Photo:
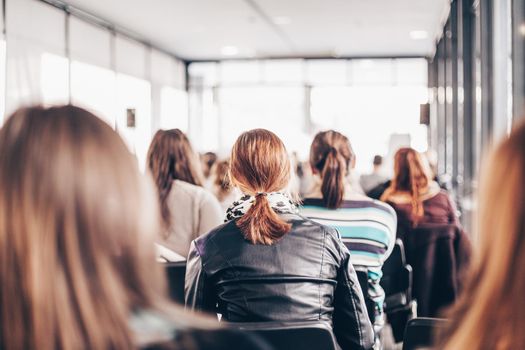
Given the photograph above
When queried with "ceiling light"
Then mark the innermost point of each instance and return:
(282, 20)
(229, 50)
(418, 34)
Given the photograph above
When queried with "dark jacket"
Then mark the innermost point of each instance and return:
(305, 276)
(438, 209)
(439, 255)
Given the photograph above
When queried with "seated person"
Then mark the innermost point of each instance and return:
(77, 226)
(375, 178)
(417, 199)
(367, 226)
(187, 209)
(490, 311)
(267, 263)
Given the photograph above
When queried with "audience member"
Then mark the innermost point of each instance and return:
(208, 160)
(221, 185)
(77, 225)
(187, 209)
(367, 226)
(415, 197)
(490, 311)
(374, 179)
(267, 263)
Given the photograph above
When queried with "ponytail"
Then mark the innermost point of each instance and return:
(333, 179)
(410, 176)
(259, 164)
(261, 225)
(414, 172)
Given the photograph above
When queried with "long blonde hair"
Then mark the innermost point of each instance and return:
(411, 176)
(77, 224)
(259, 164)
(490, 314)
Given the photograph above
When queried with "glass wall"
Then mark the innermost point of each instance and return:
(55, 58)
(375, 102)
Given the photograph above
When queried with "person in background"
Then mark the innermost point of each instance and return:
(187, 209)
(374, 179)
(267, 263)
(415, 197)
(221, 185)
(208, 160)
(77, 226)
(368, 227)
(490, 311)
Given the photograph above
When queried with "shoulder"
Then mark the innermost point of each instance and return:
(197, 192)
(213, 238)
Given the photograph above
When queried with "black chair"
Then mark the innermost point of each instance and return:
(397, 284)
(292, 335)
(176, 273)
(419, 333)
(362, 276)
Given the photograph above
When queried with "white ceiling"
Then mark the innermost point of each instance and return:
(199, 29)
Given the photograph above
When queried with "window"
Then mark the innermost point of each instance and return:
(173, 109)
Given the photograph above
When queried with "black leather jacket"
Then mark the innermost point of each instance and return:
(305, 276)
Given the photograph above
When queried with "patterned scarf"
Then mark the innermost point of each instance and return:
(279, 202)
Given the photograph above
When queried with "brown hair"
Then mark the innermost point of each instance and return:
(410, 176)
(259, 164)
(77, 225)
(331, 155)
(490, 313)
(222, 180)
(171, 157)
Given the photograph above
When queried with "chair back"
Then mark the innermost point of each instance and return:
(397, 279)
(420, 332)
(438, 255)
(292, 335)
(175, 274)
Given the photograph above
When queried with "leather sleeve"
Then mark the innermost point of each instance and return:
(352, 326)
(198, 292)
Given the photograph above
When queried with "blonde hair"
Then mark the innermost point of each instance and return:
(77, 224)
(490, 313)
(259, 164)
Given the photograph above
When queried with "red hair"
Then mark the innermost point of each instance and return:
(259, 164)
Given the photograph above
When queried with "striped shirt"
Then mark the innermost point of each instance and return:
(368, 229)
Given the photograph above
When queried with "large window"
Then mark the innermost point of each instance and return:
(375, 102)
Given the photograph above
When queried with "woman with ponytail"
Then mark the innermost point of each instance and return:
(417, 199)
(266, 262)
(367, 226)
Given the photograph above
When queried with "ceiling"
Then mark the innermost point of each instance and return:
(218, 29)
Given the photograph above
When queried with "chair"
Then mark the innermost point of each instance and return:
(438, 255)
(176, 273)
(292, 335)
(420, 332)
(362, 276)
(397, 284)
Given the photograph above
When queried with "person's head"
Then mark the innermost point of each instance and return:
(222, 180)
(377, 162)
(77, 225)
(490, 313)
(208, 159)
(411, 175)
(171, 157)
(331, 157)
(259, 165)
